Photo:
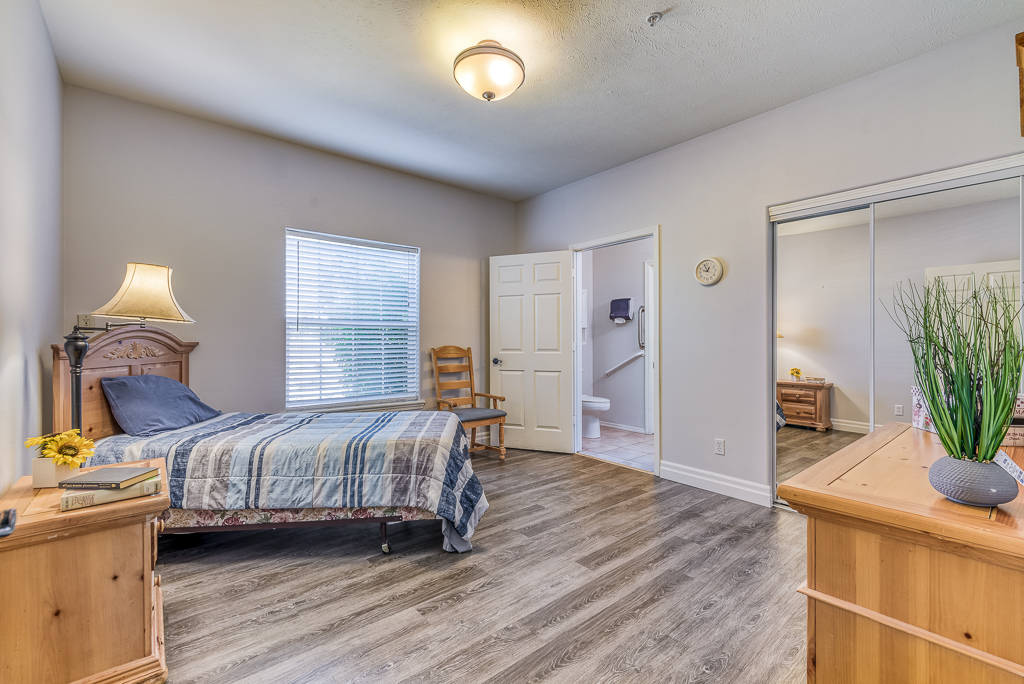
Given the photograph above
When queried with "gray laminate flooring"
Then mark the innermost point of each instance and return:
(582, 571)
(798, 448)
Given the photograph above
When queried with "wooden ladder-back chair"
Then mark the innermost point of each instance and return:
(464, 405)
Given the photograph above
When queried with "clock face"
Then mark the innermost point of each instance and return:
(709, 271)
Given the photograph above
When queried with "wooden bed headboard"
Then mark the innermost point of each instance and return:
(131, 350)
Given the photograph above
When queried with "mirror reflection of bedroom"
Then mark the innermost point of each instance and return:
(822, 346)
(842, 365)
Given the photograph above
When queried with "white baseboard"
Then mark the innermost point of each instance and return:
(850, 426)
(754, 492)
(627, 428)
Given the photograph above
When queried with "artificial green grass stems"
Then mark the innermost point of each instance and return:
(966, 342)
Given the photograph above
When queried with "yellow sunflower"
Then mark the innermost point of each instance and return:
(38, 441)
(70, 448)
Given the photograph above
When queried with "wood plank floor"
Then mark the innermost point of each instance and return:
(582, 571)
(798, 448)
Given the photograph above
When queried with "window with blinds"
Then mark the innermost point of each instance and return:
(353, 321)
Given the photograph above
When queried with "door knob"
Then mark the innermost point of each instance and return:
(496, 361)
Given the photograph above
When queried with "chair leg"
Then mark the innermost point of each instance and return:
(501, 441)
(472, 438)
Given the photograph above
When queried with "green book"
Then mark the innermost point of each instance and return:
(109, 478)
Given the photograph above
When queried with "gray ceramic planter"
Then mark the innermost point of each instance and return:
(971, 482)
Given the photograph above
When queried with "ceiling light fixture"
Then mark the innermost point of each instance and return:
(488, 71)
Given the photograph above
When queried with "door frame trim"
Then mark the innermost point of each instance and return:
(653, 313)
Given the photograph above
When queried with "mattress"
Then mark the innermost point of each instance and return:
(275, 463)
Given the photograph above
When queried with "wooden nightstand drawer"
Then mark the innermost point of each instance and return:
(796, 396)
(798, 411)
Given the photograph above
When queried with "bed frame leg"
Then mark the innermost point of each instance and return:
(385, 547)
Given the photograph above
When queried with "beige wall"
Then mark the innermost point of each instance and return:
(30, 246)
(212, 202)
(953, 106)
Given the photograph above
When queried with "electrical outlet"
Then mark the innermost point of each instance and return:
(720, 447)
(86, 320)
(899, 409)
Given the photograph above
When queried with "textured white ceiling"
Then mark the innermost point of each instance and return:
(373, 80)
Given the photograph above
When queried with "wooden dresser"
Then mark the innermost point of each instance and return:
(78, 597)
(805, 403)
(904, 585)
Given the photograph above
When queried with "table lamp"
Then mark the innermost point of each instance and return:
(145, 295)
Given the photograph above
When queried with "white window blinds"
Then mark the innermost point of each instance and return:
(353, 320)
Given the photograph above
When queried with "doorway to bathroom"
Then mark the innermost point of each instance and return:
(616, 343)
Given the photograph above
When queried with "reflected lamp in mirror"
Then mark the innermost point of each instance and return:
(145, 295)
(778, 334)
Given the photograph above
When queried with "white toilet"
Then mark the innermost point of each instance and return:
(591, 407)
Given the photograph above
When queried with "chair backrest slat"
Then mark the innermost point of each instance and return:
(455, 374)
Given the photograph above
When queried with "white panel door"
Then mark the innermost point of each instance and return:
(1002, 276)
(531, 348)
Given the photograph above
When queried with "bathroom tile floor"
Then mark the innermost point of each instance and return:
(631, 449)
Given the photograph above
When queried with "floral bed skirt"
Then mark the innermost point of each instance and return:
(179, 517)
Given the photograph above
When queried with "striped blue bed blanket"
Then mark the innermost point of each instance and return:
(318, 460)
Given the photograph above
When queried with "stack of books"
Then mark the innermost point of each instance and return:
(816, 381)
(105, 485)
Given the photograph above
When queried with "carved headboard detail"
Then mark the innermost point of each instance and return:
(124, 351)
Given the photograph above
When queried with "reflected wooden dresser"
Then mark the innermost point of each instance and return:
(805, 403)
(79, 601)
(904, 585)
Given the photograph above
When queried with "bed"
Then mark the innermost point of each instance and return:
(261, 471)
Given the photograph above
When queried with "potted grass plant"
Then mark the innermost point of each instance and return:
(966, 342)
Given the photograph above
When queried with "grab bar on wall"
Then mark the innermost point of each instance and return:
(641, 332)
(623, 364)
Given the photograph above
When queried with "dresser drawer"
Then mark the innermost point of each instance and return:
(796, 396)
(798, 411)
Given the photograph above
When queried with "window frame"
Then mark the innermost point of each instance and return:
(411, 399)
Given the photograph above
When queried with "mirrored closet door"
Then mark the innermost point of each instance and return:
(964, 236)
(823, 286)
(842, 365)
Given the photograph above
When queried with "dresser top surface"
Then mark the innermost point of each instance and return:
(39, 509)
(883, 478)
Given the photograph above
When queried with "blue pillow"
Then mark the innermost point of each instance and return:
(144, 405)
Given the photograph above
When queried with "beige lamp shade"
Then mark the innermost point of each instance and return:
(778, 334)
(488, 71)
(145, 293)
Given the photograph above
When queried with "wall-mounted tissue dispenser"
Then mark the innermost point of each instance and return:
(621, 310)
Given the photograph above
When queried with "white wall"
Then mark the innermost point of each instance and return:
(952, 106)
(30, 245)
(823, 309)
(211, 201)
(619, 272)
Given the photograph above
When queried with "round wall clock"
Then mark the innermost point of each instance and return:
(709, 271)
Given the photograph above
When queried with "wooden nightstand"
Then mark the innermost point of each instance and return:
(805, 403)
(78, 595)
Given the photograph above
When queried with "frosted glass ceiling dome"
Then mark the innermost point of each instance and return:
(488, 71)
